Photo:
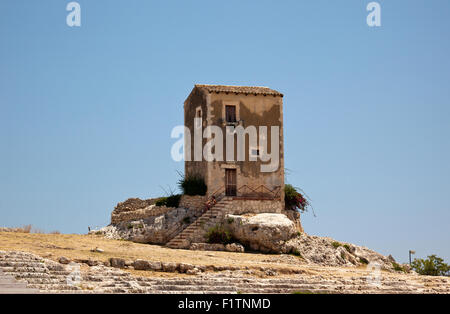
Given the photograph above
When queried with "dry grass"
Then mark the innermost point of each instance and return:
(29, 229)
(25, 229)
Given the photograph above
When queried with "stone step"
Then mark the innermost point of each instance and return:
(7, 263)
(18, 285)
(193, 288)
(69, 292)
(60, 280)
(187, 292)
(29, 275)
(60, 287)
(20, 259)
(8, 269)
(18, 291)
(6, 279)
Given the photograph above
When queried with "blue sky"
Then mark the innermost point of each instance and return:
(86, 113)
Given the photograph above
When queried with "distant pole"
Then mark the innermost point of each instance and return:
(411, 252)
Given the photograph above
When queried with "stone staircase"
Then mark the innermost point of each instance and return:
(31, 271)
(9, 285)
(297, 284)
(196, 231)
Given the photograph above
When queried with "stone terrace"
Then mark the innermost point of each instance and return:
(48, 276)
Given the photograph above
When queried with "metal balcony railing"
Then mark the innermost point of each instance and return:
(261, 192)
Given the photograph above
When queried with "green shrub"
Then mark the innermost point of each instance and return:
(293, 199)
(363, 260)
(187, 220)
(218, 234)
(296, 252)
(347, 247)
(193, 185)
(336, 244)
(169, 201)
(397, 267)
(299, 234)
(161, 201)
(432, 266)
(230, 220)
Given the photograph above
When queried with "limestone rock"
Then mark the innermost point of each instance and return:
(326, 251)
(207, 247)
(184, 268)
(169, 267)
(117, 262)
(345, 255)
(155, 266)
(235, 247)
(129, 263)
(262, 232)
(391, 258)
(193, 271)
(64, 260)
(140, 264)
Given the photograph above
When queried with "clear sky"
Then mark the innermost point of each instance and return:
(86, 112)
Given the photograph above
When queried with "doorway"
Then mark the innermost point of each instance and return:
(230, 182)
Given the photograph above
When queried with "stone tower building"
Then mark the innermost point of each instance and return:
(254, 176)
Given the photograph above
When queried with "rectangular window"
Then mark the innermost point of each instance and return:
(198, 117)
(230, 114)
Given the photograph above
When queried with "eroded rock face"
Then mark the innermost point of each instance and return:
(262, 232)
(326, 251)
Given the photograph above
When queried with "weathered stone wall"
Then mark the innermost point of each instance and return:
(156, 229)
(239, 207)
(132, 204)
(196, 100)
(150, 211)
(196, 202)
(135, 208)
